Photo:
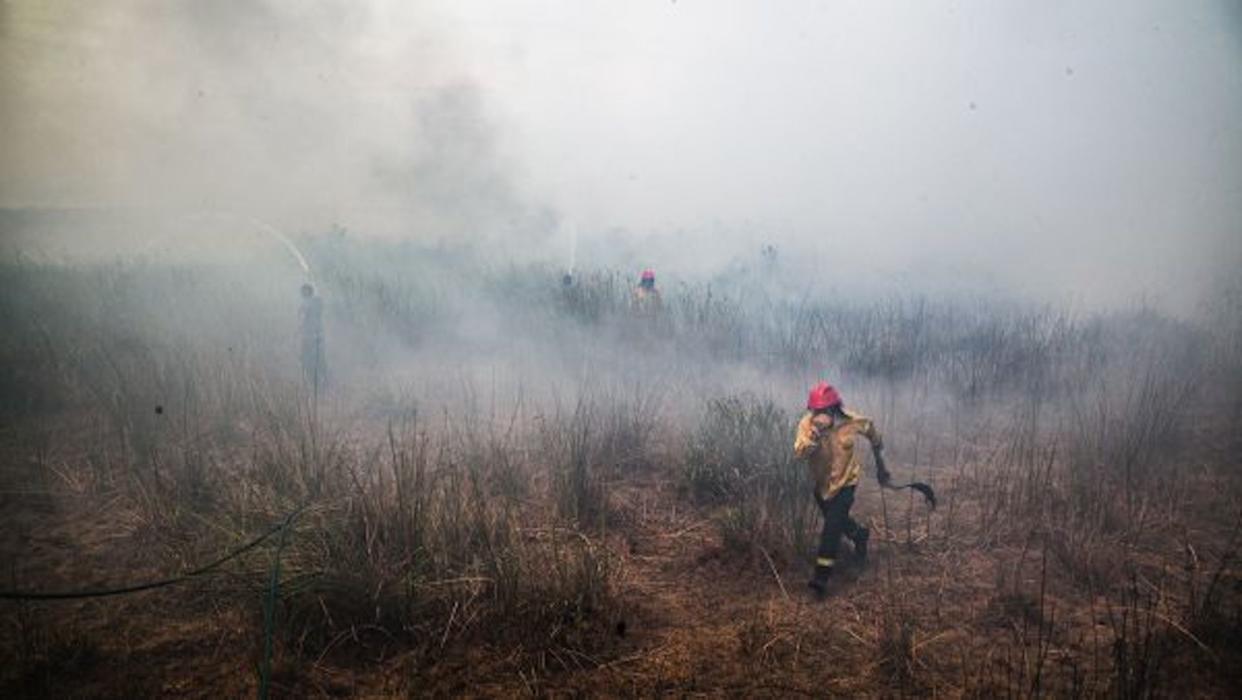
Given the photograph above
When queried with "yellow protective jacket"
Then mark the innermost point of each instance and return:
(646, 302)
(828, 448)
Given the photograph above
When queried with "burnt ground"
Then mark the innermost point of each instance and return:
(935, 612)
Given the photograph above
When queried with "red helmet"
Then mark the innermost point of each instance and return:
(648, 275)
(823, 396)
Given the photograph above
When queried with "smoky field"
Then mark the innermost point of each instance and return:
(500, 482)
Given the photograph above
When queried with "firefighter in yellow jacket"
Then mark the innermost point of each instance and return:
(826, 440)
(646, 301)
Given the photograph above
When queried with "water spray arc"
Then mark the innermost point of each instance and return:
(234, 220)
(293, 249)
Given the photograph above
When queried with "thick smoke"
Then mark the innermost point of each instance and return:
(303, 116)
(1082, 152)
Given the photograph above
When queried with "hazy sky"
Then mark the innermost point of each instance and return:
(1094, 147)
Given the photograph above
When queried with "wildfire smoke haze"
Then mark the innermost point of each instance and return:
(356, 288)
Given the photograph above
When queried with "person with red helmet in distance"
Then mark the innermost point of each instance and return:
(646, 300)
(825, 440)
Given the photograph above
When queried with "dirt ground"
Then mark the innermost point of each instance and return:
(931, 614)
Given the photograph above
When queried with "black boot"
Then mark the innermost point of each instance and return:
(819, 582)
(860, 545)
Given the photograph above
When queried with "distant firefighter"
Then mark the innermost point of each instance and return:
(310, 324)
(570, 298)
(825, 439)
(646, 299)
(768, 254)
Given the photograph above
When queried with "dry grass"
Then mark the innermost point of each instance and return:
(623, 514)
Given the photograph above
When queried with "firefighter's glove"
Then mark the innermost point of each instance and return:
(819, 429)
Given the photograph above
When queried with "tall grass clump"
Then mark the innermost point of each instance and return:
(741, 457)
(570, 444)
(420, 541)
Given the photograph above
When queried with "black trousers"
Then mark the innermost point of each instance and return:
(837, 522)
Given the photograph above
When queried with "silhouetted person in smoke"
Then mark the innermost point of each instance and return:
(768, 254)
(310, 324)
(570, 296)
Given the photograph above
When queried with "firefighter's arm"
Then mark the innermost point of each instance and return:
(881, 469)
(807, 440)
(877, 451)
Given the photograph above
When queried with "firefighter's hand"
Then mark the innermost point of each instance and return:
(881, 471)
(884, 477)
